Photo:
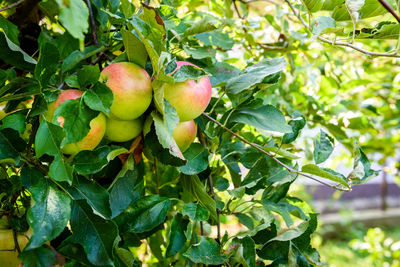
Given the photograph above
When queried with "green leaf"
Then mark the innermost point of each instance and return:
(297, 123)
(216, 38)
(88, 162)
(322, 25)
(323, 147)
(145, 214)
(151, 141)
(388, 31)
(126, 257)
(302, 242)
(195, 212)
(206, 24)
(245, 220)
(248, 251)
(371, 8)
(134, 48)
(283, 208)
(313, 5)
(325, 173)
(9, 29)
(47, 141)
(60, 170)
(177, 238)
(77, 117)
(164, 128)
(74, 16)
(265, 117)
(10, 146)
(194, 186)
(88, 75)
(99, 97)
(40, 257)
(282, 152)
(188, 72)
(255, 74)
(207, 251)
(197, 157)
(274, 250)
(96, 196)
(125, 190)
(77, 56)
(96, 235)
(15, 121)
(362, 171)
(51, 210)
(127, 8)
(292, 233)
(47, 64)
(221, 184)
(331, 4)
(12, 54)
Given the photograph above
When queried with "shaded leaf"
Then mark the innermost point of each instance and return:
(12, 54)
(197, 157)
(177, 238)
(323, 147)
(96, 235)
(195, 212)
(51, 209)
(207, 251)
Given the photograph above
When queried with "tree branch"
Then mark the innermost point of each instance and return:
(338, 43)
(389, 8)
(12, 5)
(290, 169)
(210, 182)
(92, 23)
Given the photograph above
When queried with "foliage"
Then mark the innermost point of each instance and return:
(144, 201)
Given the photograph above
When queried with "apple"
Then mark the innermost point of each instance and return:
(131, 87)
(189, 98)
(121, 131)
(8, 251)
(184, 134)
(97, 125)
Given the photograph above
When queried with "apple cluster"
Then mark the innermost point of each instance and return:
(132, 90)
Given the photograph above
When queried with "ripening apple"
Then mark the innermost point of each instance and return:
(184, 134)
(122, 131)
(8, 251)
(190, 98)
(97, 125)
(131, 87)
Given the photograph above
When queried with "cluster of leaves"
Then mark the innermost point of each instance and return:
(122, 202)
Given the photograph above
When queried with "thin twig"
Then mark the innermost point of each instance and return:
(338, 43)
(201, 228)
(237, 10)
(15, 236)
(35, 127)
(156, 173)
(12, 5)
(92, 23)
(210, 183)
(290, 169)
(390, 9)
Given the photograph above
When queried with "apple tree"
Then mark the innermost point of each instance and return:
(102, 165)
